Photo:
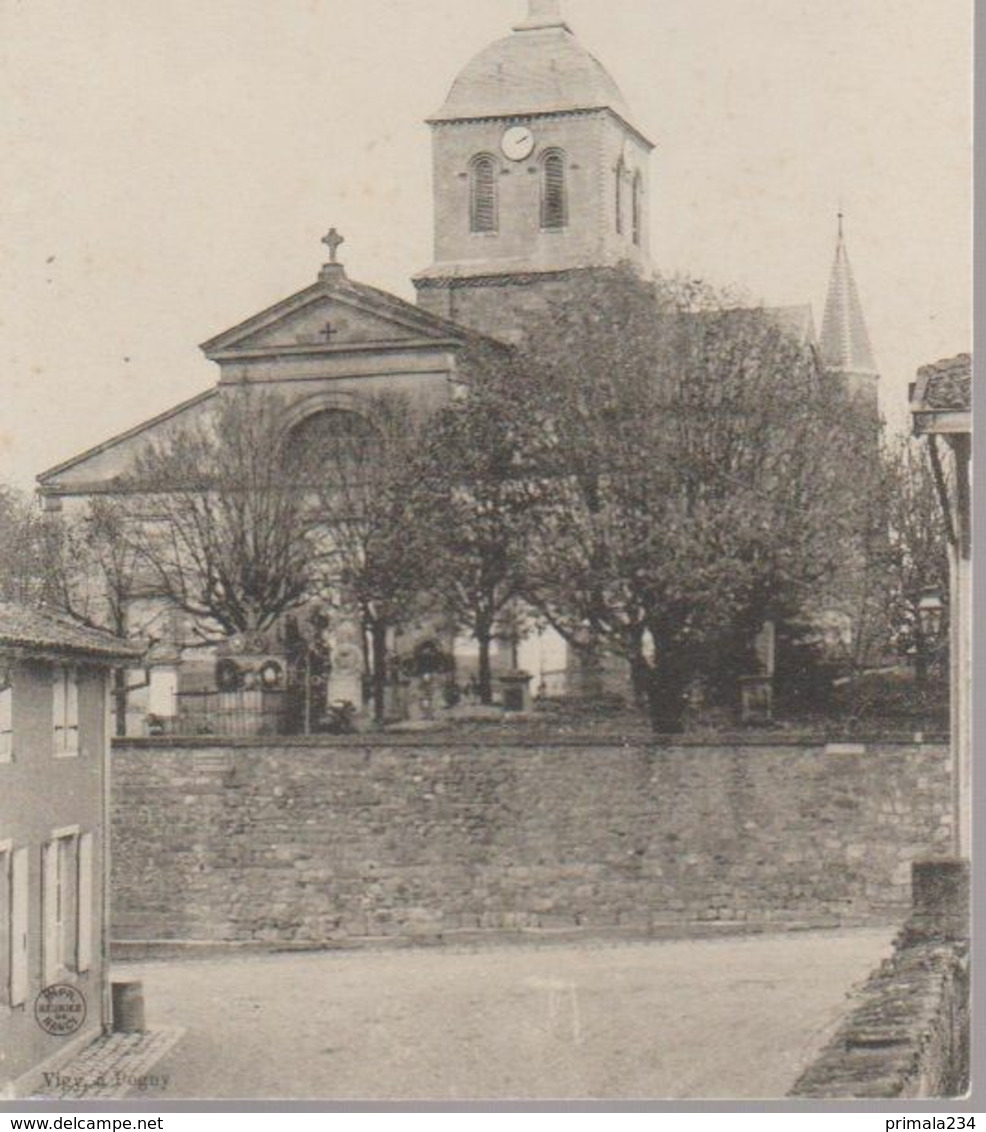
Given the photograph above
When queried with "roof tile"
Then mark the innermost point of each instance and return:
(22, 627)
(945, 386)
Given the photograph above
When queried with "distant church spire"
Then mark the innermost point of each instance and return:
(845, 341)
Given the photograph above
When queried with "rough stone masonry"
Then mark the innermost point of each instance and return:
(330, 842)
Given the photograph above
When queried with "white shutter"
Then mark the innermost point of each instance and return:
(85, 921)
(58, 706)
(49, 915)
(6, 932)
(18, 929)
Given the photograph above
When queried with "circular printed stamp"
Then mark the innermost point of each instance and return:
(60, 1010)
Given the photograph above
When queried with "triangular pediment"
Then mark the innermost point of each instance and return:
(332, 317)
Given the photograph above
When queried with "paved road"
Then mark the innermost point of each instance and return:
(736, 1018)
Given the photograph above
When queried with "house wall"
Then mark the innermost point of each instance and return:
(40, 793)
(331, 843)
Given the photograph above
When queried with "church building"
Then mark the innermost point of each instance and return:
(540, 170)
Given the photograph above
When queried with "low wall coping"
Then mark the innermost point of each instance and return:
(418, 740)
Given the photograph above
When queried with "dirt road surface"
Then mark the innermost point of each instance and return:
(715, 1018)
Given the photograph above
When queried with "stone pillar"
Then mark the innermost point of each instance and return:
(346, 673)
(585, 672)
(960, 646)
(940, 896)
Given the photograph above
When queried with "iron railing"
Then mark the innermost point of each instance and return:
(237, 713)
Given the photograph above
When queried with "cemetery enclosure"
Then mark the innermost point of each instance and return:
(335, 841)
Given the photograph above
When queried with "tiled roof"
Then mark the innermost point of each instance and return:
(845, 341)
(24, 628)
(798, 321)
(537, 70)
(945, 386)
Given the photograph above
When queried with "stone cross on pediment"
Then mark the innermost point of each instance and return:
(333, 241)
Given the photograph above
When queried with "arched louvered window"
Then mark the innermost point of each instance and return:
(621, 172)
(638, 190)
(482, 195)
(554, 191)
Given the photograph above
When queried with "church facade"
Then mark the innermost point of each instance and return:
(540, 170)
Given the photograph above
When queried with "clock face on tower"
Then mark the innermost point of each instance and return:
(517, 143)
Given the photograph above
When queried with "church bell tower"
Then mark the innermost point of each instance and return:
(538, 171)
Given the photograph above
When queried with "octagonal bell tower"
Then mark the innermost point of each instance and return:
(538, 171)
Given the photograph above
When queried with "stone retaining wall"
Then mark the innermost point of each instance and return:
(907, 1033)
(311, 843)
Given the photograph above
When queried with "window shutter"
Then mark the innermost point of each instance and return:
(6, 721)
(620, 173)
(483, 204)
(85, 921)
(554, 207)
(71, 709)
(6, 930)
(18, 929)
(637, 190)
(58, 706)
(49, 913)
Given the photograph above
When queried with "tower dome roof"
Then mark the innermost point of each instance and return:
(540, 69)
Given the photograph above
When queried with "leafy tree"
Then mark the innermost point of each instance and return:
(474, 501)
(685, 456)
(370, 551)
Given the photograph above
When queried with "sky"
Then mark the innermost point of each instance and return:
(167, 170)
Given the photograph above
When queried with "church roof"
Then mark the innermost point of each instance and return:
(798, 321)
(371, 322)
(845, 341)
(540, 69)
(48, 478)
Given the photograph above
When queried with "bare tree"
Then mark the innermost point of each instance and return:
(22, 549)
(224, 531)
(897, 551)
(92, 565)
(93, 569)
(916, 548)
